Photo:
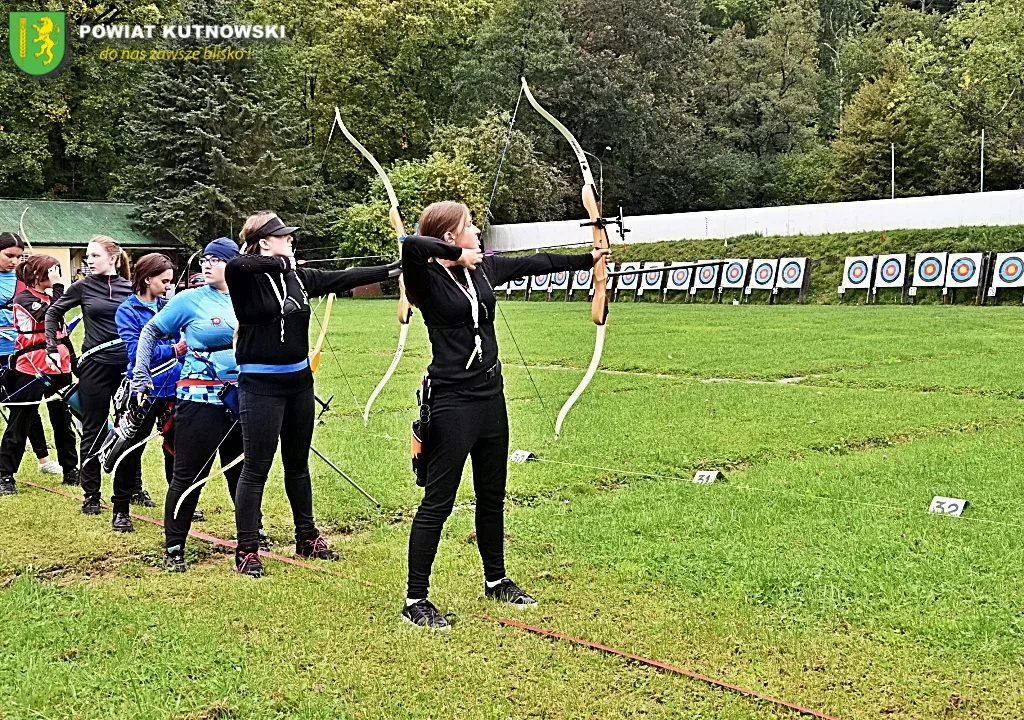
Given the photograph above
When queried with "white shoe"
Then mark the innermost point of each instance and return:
(50, 467)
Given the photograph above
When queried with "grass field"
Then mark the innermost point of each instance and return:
(813, 574)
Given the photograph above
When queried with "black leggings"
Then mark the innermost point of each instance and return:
(97, 384)
(198, 428)
(264, 420)
(13, 388)
(25, 418)
(460, 428)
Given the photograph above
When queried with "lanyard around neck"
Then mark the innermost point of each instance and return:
(474, 304)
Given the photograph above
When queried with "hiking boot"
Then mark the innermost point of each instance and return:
(264, 541)
(315, 548)
(71, 477)
(174, 559)
(248, 563)
(507, 591)
(142, 498)
(122, 522)
(91, 506)
(7, 485)
(50, 467)
(422, 613)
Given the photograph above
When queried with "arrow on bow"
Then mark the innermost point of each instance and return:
(599, 305)
(398, 224)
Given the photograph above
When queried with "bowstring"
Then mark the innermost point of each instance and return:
(344, 375)
(487, 224)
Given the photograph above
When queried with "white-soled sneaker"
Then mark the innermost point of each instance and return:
(507, 591)
(50, 467)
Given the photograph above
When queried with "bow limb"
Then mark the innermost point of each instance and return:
(199, 483)
(398, 225)
(599, 305)
(21, 225)
(315, 353)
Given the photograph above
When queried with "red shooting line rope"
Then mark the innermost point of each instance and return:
(662, 666)
(213, 539)
(502, 621)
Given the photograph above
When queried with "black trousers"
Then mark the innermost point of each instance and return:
(198, 429)
(25, 418)
(461, 428)
(17, 383)
(264, 420)
(96, 386)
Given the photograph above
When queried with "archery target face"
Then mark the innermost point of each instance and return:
(892, 271)
(679, 279)
(762, 274)
(1009, 270)
(964, 270)
(930, 269)
(560, 280)
(541, 282)
(857, 272)
(630, 281)
(518, 284)
(653, 280)
(791, 273)
(582, 280)
(735, 273)
(707, 277)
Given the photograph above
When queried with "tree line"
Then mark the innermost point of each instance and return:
(686, 104)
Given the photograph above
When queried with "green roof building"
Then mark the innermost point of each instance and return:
(62, 228)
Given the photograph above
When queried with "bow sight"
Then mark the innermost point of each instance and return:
(605, 222)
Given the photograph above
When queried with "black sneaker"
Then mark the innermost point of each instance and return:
(142, 498)
(71, 477)
(264, 541)
(198, 516)
(122, 522)
(248, 563)
(91, 506)
(315, 548)
(424, 614)
(174, 559)
(508, 591)
(7, 485)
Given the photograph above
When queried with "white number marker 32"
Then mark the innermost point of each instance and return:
(947, 506)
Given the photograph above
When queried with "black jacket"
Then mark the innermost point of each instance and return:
(271, 303)
(99, 296)
(447, 312)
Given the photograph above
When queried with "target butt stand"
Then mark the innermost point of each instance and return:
(891, 274)
(794, 274)
(858, 272)
(1007, 273)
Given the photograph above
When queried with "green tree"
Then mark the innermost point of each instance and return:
(363, 229)
(213, 142)
(530, 188)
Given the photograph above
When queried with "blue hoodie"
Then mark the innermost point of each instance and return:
(132, 315)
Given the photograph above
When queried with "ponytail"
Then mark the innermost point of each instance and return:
(120, 257)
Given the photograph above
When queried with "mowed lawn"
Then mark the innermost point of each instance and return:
(814, 573)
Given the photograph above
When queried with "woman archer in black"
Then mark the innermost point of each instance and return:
(451, 282)
(270, 296)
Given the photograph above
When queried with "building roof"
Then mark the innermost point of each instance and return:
(71, 223)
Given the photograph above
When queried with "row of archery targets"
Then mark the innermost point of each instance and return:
(982, 274)
(634, 280)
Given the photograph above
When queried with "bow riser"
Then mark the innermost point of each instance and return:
(599, 305)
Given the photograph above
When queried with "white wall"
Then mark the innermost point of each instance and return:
(938, 211)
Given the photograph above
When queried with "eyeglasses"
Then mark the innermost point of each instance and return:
(210, 260)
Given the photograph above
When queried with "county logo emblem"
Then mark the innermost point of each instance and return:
(37, 42)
